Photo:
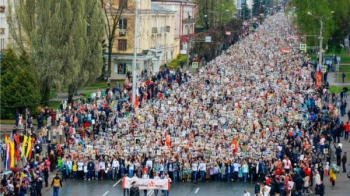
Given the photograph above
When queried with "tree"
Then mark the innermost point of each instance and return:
(63, 39)
(113, 10)
(19, 89)
(213, 13)
(342, 24)
(309, 25)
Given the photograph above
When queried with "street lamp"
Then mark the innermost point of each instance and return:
(321, 19)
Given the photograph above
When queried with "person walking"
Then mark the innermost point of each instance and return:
(332, 177)
(134, 190)
(343, 76)
(56, 183)
(125, 190)
(321, 189)
(344, 159)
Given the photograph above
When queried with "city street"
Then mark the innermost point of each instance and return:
(106, 188)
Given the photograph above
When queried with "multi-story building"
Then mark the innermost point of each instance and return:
(184, 20)
(155, 38)
(4, 29)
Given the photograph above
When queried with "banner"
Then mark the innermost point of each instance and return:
(160, 184)
(318, 79)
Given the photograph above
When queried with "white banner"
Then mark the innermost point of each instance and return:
(160, 184)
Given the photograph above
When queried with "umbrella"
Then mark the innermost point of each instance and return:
(122, 100)
(326, 119)
(7, 173)
(15, 169)
(345, 89)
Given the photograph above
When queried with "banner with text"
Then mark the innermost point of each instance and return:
(160, 184)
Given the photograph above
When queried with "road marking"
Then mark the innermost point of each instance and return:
(150, 193)
(105, 193)
(117, 183)
(196, 191)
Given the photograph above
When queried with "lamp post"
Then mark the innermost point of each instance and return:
(321, 19)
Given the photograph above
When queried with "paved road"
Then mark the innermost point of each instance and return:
(109, 188)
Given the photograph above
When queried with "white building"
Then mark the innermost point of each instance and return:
(185, 19)
(4, 28)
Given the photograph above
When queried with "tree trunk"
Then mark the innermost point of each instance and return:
(71, 90)
(109, 61)
(45, 99)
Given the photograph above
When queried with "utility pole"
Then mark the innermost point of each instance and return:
(136, 36)
(320, 51)
(188, 44)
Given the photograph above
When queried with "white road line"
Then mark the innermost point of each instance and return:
(117, 183)
(150, 193)
(105, 193)
(196, 191)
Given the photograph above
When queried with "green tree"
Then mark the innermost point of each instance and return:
(309, 25)
(62, 38)
(213, 13)
(19, 89)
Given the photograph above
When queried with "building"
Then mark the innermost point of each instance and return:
(4, 28)
(155, 38)
(185, 19)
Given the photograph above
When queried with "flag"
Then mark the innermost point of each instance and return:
(23, 153)
(12, 151)
(7, 163)
(29, 147)
(17, 147)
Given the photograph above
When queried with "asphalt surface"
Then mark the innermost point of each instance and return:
(109, 188)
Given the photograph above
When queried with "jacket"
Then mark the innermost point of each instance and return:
(56, 182)
(134, 191)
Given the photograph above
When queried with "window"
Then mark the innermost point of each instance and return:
(123, 4)
(122, 23)
(122, 44)
(121, 68)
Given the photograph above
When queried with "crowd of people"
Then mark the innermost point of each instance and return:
(252, 115)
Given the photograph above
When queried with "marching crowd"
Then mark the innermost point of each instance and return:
(251, 115)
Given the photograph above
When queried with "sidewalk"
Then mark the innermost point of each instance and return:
(63, 96)
(343, 182)
(331, 80)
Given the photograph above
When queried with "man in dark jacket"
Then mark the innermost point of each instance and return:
(257, 189)
(39, 185)
(134, 190)
(321, 190)
(91, 168)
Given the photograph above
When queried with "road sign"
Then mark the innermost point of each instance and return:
(195, 65)
(207, 38)
(338, 59)
(324, 68)
(303, 47)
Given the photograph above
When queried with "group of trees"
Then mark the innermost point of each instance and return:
(214, 13)
(63, 40)
(335, 16)
(19, 89)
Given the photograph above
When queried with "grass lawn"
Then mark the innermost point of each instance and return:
(345, 58)
(344, 68)
(7, 121)
(335, 89)
(339, 77)
(101, 85)
(53, 95)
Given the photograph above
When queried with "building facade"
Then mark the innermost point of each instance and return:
(4, 28)
(185, 19)
(156, 45)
